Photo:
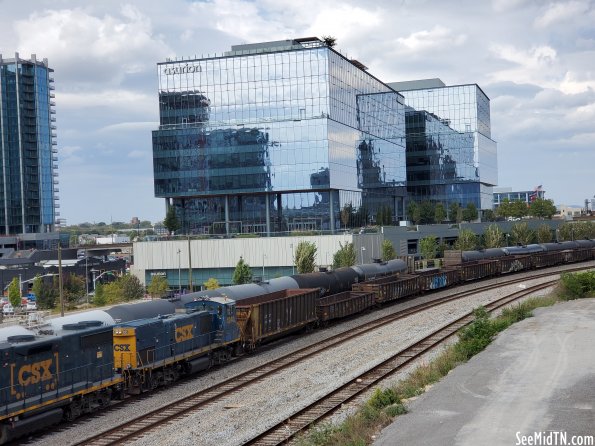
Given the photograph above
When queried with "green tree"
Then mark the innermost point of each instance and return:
(413, 212)
(493, 237)
(242, 273)
(388, 250)
(583, 230)
(454, 212)
(439, 213)
(112, 292)
(544, 234)
(305, 257)
(100, 298)
(45, 294)
(73, 287)
(14, 293)
(505, 209)
(329, 41)
(158, 287)
(466, 241)
(489, 215)
(541, 208)
(211, 284)
(521, 234)
(345, 256)
(470, 212)
(426, 212)
(131, 287)
(519, 209)
(565, 232)
(171, 222)
(428, 246)
(384, 216)
(347, 215)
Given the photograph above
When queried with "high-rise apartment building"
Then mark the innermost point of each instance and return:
(275, 137)
(28, 160)
(451, 156)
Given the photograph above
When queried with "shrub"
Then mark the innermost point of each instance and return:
(383, 398)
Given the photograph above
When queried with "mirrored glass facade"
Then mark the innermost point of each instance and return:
(450, 154)
(28, 160)
(277, 137)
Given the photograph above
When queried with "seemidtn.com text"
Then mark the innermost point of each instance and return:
(554, 438)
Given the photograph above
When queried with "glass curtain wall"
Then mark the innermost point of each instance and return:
(450, 154)
(272, 141)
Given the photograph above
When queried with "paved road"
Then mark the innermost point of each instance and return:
(537, 376)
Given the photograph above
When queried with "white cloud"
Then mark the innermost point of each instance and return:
(86, 48)
(131, 126)
(437, 37)
(561, 12)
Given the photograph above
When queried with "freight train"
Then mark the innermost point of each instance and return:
(80, 363)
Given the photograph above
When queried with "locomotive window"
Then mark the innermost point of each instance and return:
(205, 323)
(97, 339)
(37, 349)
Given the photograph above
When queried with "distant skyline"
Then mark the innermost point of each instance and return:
(535, 60)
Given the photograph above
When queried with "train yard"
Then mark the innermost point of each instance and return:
(304, 369)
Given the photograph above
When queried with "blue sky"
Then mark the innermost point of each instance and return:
(534, 59)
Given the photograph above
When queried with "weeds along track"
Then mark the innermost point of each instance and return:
(285, 430)
(141, 425)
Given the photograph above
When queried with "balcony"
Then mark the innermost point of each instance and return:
(52, 87)
(52, 111)
(54, 174)
(52, 96)
(55, 159)
(56, 190)
(52, 103)
(53, 119)
(51, 79)
(53, 127)
(54, 150)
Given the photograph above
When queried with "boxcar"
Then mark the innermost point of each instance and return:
(390, 288)
(268, 316)
(343, 304)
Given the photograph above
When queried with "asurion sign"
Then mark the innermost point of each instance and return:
(182, 69)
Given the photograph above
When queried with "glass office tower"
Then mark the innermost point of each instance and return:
(277, 136)
(28, 161)
(450, 154)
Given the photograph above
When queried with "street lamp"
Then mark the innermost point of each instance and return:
(263, 257)
(362, 256)
(179, 273)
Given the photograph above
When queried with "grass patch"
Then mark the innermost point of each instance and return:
(384, 405)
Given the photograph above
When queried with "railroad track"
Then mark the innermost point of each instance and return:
(143, 424)
(285, 430)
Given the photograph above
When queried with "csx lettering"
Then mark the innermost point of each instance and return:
(121, 347)
(34, 373)
(184, 333)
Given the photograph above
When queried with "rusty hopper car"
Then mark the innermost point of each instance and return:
(262, 318)
(343, 304)
(390, 288)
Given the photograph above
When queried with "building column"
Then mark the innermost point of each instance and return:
(3, 159)
(268, 214)
(227, 215)
(332, 211)
(21, 167)
(279, 213)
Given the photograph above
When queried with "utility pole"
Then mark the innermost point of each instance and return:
(60, 277)
(189, 266)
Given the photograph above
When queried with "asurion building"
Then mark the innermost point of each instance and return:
(28, 159)
(284, 136)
